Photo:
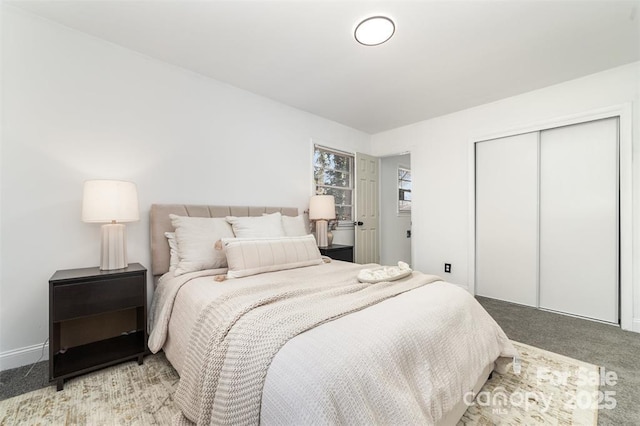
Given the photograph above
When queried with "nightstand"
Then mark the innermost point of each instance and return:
(338, 252)
(96, 319)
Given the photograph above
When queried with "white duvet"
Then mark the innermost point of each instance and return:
(408, 359)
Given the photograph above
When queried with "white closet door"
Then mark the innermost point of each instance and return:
(507, 218)
(579, 220)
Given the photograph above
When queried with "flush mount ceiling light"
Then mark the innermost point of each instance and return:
(374, 30)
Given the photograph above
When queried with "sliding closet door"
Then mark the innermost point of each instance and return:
(579, 219)
(506, 218)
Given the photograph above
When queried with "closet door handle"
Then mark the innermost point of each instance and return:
(358, 223)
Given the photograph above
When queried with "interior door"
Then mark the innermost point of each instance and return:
(367, 218)
(507, 218)
(579, 219)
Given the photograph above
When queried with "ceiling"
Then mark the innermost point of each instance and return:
(445, 55)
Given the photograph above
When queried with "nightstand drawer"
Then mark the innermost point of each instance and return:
(338, 252)
(95, 297)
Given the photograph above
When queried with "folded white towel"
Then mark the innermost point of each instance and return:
(384, 273)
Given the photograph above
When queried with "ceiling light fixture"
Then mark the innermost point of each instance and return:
(374, 30)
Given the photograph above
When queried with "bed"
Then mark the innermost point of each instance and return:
(333, 351)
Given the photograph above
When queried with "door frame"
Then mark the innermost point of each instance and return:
(624, 112)
(408, 152)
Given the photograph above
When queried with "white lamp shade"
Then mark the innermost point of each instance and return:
(110, 200)
(322, 207)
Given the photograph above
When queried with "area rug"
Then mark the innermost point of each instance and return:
(550, 389)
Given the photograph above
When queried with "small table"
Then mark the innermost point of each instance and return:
(338, 252)
(96, 319)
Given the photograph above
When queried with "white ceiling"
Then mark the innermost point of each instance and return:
(445, 55)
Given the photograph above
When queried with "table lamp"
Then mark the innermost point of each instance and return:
(322, 208)
(112, 202)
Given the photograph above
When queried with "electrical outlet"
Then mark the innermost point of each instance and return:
(447, 267)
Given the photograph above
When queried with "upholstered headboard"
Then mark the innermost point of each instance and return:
(160, 223)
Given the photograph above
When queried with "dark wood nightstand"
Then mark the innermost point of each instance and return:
(338, 252)
(96, 319)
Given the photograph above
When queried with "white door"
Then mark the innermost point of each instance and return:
(507, 218)
(579, 219)
(366, 210)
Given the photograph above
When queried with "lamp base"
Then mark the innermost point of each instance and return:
(114, 248)
(321, 233)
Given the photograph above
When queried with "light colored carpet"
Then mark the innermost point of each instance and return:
(129, 394)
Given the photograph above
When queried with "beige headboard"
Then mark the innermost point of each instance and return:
(160, 223)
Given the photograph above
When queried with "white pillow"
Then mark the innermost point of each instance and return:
(294, 226)
(173, 250)
(254, 256)
(196, 237)
(269, 226)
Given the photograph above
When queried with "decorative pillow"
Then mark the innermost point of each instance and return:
(254, 256)
(294, 226)
(269, 226)
(173, 250)
(196, 237)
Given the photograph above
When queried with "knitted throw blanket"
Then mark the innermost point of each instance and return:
(238, 334)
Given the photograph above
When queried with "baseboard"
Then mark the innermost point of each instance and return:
(23, 356)
(636, 325)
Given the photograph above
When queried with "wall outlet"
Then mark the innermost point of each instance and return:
(447, 267)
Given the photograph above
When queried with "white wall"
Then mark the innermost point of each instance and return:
(394, 244)
(440, 154)
(76, 108)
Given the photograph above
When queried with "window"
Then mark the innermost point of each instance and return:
(404, 190)
(333, 175)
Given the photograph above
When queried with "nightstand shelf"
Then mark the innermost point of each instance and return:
(82, 359)
(338, 252)
(96, 319)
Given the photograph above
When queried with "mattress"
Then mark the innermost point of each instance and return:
(408, 359)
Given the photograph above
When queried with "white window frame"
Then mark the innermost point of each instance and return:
(408, 211)
(351, 172)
